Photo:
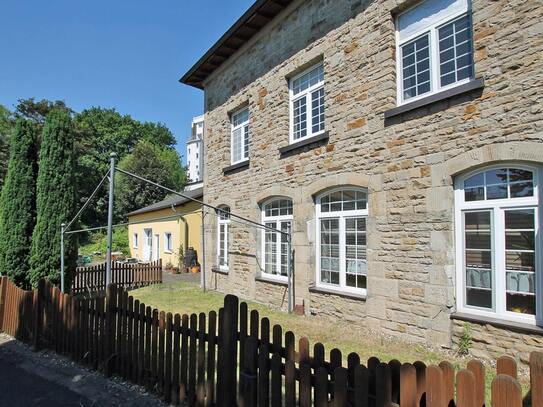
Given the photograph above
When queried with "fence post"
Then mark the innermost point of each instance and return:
(229, 352)
(38, 314)
(111, 303)
(3, 288)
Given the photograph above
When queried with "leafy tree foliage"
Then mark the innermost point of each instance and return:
(55, 199)
(6, 125)
(37, 111)
(155, 163)
(100, 132)
(18, 205)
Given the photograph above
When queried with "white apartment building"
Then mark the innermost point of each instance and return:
(195, 154)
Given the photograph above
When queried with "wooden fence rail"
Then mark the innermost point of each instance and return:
(93, 278)
(235, 358)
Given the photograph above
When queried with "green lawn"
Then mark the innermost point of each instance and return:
(187, 298)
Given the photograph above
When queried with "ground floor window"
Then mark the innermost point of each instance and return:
(277, 216)
(223, 220)
(341, 236)
(168, 244)
(498, 248)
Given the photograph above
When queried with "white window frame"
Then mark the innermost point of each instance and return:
(433, 43)
(226, 223)
(277, 219)
(167, 249)
(342, 216)
(497, 208)
(135, 240)
(307, 94)
(241, 126)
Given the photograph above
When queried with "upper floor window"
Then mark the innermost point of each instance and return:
(498, 247)
(240, 136)
(135, 240)
(277, 215)
(223, 220)
(341, 236)
(307, 104)
(434, 48)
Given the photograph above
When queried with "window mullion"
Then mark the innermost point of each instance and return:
(434, 59)
(309, 114)
(277, 249)
(498, 244)
(342, 251)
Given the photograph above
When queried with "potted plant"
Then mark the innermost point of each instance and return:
(169, 266)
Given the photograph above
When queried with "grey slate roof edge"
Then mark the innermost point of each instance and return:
(166, 203)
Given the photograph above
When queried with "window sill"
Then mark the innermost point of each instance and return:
(235, 167)
(219, 271)
(295, 148)
(436, 97)
(352, 296)
(168, 252)
(272, 281)
(520, 327)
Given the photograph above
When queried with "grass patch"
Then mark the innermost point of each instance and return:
(188, 298)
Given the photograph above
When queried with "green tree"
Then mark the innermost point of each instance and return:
(55, 199)
(6, 125)
(18, 205)
(37, 111)
(100, 132)
(158, 164)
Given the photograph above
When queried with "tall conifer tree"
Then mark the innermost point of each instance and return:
(56, 199)
(18, 205)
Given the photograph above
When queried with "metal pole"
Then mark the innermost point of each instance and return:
(110, 217)
(62, 227)
(289, 272)
(202, 271)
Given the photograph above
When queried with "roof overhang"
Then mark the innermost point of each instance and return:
(250, 23)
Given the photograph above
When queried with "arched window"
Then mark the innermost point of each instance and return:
(276, 214)
(223, 222)
(341, 239)
(498, 247)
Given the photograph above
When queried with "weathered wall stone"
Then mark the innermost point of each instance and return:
(407, 163)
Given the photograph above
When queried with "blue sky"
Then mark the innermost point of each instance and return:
(123, 54)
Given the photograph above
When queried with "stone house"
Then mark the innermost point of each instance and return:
(401, 142)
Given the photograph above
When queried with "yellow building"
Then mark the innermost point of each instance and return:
(159, 230)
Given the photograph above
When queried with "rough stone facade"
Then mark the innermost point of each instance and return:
(407, 163)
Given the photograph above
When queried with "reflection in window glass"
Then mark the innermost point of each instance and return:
(500, 183)
(478, 258)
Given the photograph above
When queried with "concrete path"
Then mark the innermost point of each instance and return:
(168, 278)
(43, 379)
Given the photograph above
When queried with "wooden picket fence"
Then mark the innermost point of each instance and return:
(93, 278)
(235, 358)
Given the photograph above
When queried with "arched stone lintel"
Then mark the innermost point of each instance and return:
(493, 154)
(335, 180)
(277, 190)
